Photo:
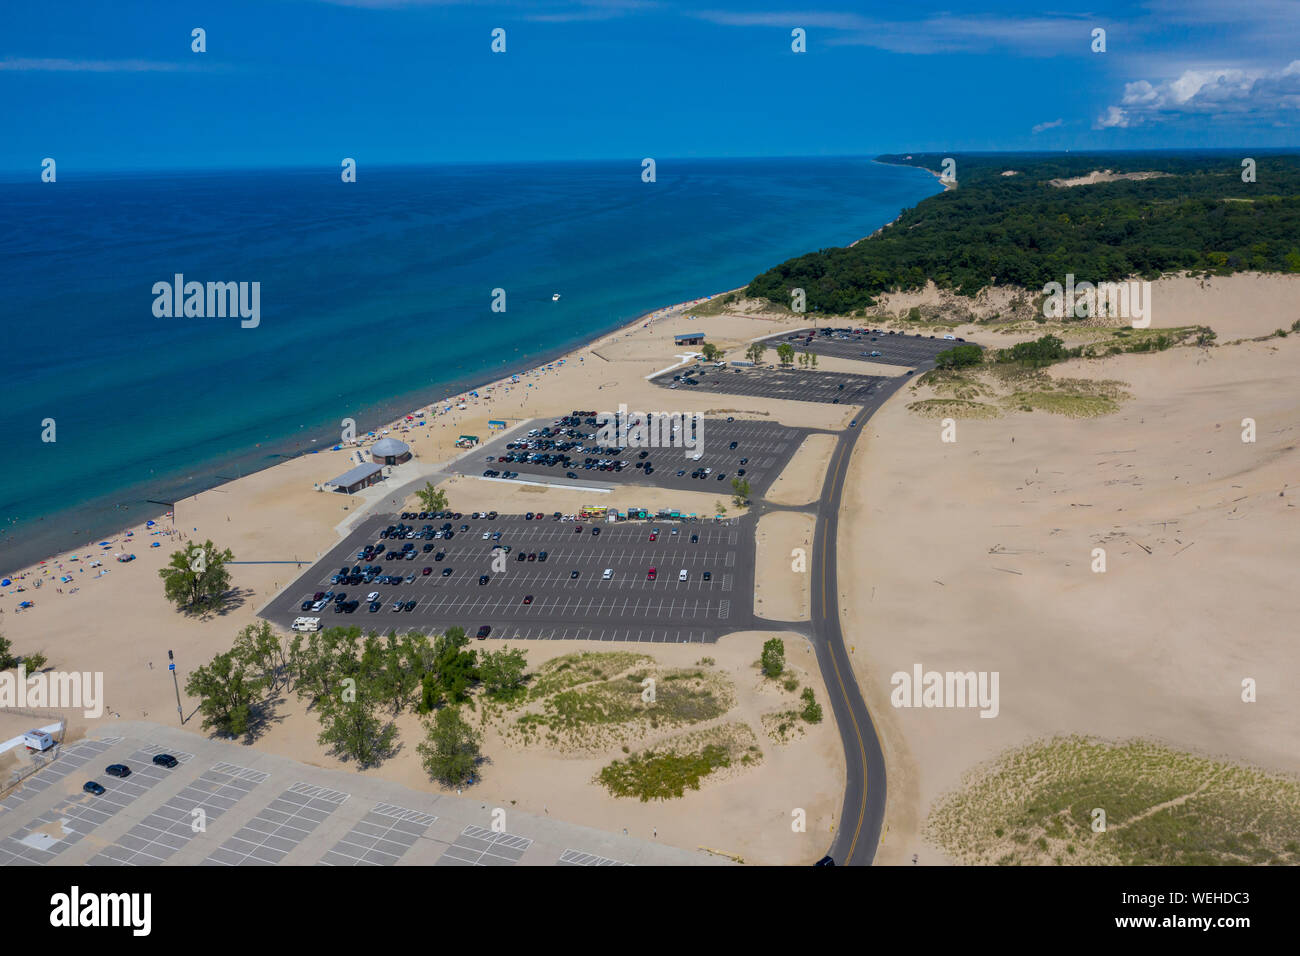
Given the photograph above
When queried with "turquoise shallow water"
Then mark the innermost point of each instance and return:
(375, 297)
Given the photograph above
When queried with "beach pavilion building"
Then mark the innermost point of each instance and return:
(354, 479)
(689, 338)
(390, 451)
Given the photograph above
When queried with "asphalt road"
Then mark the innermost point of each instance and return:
(865, 788)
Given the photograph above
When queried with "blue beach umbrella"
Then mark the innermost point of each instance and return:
(5, 583)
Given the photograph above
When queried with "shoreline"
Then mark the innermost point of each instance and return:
(132, 530)
(440, 395)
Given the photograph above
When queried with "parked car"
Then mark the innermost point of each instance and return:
(528, 599)
(484, 631)
(650, 575)
(91, 787)
(118, 770)
(165, 760)
(708, 575)
(446, 572)
(609, 573)
(681, 575)
(483, 579)
(573, 575)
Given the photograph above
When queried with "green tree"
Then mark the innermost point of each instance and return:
(785, 352)
(812, 359)
(196, 578)
(7, 659)
(431, 498)
(812, 711)
(773, 658)
(227, 694)
(914, 314)
(1043, 351)
(263, 652)
(35, 662)
(450, 753)
(756, 351)
(503, 672)
(741, 488)
(710, 352)
(958, 356)
(451, 672)
(353, 731)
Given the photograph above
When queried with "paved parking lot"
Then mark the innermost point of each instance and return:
(477, 846)
(767, 446)
(267, 809)
(793, 384)
(381, 838)
(171, 826)
(579, 858)
(71, 819)
(278, 828)
(908, 349)
(625, 606)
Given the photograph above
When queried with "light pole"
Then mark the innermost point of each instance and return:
(171, 666)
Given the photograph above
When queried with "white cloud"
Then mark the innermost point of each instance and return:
(1042, 127)
(936, 33)
(1255, 93)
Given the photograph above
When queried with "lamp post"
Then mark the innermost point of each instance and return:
(171, 666)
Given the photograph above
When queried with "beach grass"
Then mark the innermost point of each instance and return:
(667, 770)
(1038, 805)
(588, 700)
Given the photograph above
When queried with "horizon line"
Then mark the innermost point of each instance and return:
(19, 174)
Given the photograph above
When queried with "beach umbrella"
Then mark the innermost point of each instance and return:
(5, 583)
(104, 544)
(148, 524)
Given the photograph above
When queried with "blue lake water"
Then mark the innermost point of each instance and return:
(375, 298)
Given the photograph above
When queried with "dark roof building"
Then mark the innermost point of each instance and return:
(689, 338)
(354, 479)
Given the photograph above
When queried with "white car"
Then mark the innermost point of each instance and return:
(319, 605)
(681, 575)
(486, 535)
(609, 573)
(697, 456)
(372, 596)
(951, 338)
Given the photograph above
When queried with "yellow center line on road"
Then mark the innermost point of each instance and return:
(836, 477)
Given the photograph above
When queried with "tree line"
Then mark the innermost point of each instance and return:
(1020, 231)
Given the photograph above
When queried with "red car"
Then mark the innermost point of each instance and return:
(654, 537)
(427, 570)
(528, 599)
(650, 575)
(577, 529)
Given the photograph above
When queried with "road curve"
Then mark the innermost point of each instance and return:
(865, 789)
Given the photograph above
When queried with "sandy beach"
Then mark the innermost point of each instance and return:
(973, 555)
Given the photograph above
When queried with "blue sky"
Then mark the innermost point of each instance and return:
(298, 82)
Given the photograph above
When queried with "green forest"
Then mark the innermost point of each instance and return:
(1021, 231)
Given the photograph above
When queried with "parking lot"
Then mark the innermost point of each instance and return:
(792, 384)
(269, 809)
(570, 583)
(910, 349)
(765, 448)
(69, 820)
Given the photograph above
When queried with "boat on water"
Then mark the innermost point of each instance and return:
(555, 297)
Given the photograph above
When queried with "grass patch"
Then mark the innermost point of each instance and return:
(666, 771)
(591, 714)
(782, 726)
(1035, 805)
(952, 408)
(573, 670)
